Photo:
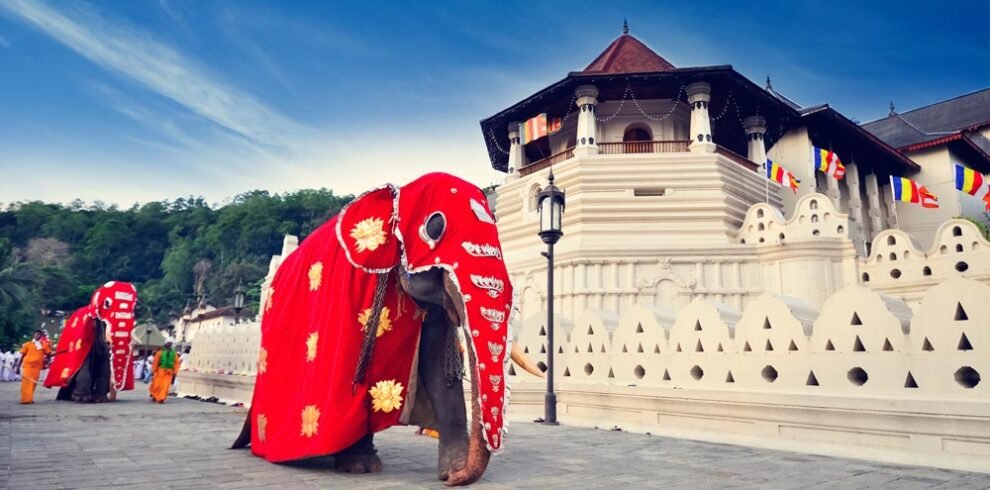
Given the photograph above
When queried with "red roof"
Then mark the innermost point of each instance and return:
(628, 55)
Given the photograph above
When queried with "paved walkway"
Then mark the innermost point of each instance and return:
(135, 444)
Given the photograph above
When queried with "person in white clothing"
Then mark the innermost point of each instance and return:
(138, 368)
(6, 366)
(15, 373)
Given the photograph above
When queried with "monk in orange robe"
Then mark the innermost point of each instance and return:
(164, 367)
(33, 354)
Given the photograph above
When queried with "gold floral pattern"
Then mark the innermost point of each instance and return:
(384, 323)
(263, 360)
(75, 321)
(315, 276)
(72, 346)
(268, 299)
(65, 373)
(310, 421)
(386, 396)
(311, 342)
(262, 424)
(78, 344)
(369, 234)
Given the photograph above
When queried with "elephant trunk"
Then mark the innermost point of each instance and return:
(478, 454)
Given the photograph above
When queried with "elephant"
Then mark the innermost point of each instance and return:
(91, 382)
(362, 331)
(94, 347)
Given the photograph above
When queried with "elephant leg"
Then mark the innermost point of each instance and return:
(361, 457)
(101, 373)
(445, 392)
(82, 384)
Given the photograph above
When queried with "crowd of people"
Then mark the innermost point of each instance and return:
(27, 364)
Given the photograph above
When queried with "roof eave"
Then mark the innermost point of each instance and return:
(835, 115)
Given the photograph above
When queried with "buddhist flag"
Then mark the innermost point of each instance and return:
(828, 162)
(554, 125)
(781, 176)
(971, 182)
(907, 190)
(534, 128)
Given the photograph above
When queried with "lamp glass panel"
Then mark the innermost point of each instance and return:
(545, 213)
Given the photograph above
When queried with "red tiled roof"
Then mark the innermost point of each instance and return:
(628, 55)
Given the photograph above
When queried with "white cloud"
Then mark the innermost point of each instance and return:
(218, 140)
(161, 69)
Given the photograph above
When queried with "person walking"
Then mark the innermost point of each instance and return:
(6, 366)
(165, 365)
(33, 354)
(148, 361)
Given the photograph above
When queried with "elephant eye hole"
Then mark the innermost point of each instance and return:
(434, 227)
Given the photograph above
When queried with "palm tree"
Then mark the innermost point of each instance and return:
(18, 282)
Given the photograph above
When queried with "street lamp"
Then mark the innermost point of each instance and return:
(238, 302)
(551, 206)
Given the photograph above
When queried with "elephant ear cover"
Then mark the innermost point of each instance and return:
(366, 231)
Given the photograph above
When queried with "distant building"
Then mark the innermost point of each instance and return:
(193, 320)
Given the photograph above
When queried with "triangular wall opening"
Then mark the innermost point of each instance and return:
(964, 343)
(960, 313)
(858, 345)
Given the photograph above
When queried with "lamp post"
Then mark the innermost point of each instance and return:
(551, 206)
(238, 302)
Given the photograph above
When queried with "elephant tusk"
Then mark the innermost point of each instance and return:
(522, 361)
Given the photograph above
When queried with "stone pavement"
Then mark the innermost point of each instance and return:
(135, 444)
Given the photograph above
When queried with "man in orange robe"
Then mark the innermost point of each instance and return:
(164, 367)
(33, 354)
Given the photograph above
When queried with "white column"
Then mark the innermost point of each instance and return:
(857, 228)
(874, 209)
(587, 98)
(832, 191)
(756, 128)
(516, 156)
(699, 95)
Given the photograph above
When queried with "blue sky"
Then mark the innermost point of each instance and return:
(132, 101)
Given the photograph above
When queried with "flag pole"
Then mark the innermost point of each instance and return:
(893, 204)
(766, 180)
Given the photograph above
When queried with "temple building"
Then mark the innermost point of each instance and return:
(661, 165)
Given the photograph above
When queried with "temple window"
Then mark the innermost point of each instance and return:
(637, 138)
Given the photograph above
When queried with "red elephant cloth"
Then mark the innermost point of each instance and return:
(306, 402)
(73, 347)
(114, 304)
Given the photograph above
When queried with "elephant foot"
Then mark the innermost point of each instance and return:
(452, 458)
(358, 463)
(81, 398)
(101, 399)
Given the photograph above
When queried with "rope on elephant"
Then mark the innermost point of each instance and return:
(371, 330)
(453, 359)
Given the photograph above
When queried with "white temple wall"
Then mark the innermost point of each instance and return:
(900, 267)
